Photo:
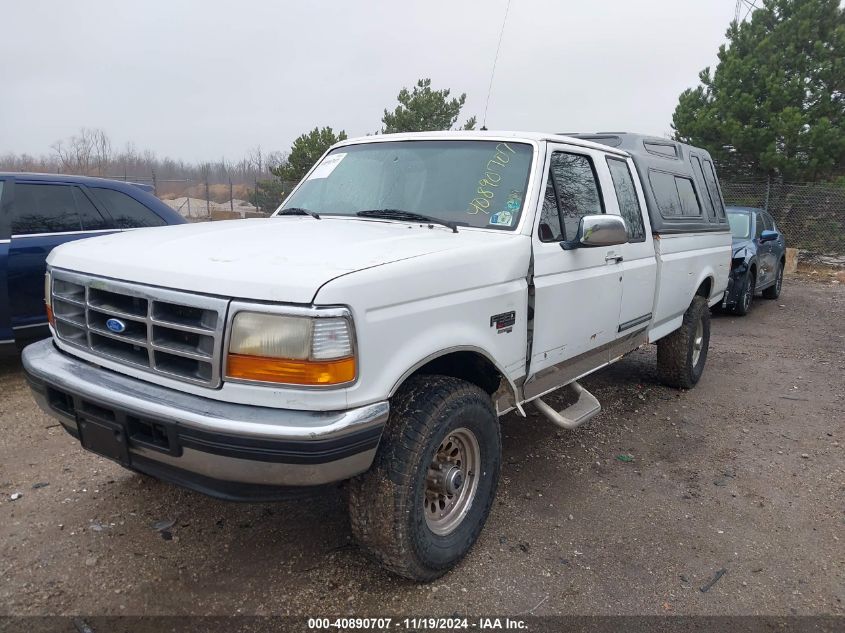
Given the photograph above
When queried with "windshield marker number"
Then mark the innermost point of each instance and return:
(492, 178)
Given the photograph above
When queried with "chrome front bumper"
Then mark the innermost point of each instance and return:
(223, 449)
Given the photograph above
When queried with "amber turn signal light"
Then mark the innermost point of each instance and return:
(290, 372)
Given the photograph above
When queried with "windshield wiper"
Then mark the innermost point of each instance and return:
(299, 211)
(399, 214)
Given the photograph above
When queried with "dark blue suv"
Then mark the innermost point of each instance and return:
(758, 258)
(40, 211)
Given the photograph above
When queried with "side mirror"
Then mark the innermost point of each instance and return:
(768, 236)
(598, 230)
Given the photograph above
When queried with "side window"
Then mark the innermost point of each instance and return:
(550, 230)
(770, 223)
(760, 225)
(53, 209)
(88, 215)
(665, 193)
(675, 195)
(707, 199)
(577, 190)
(127, 212)
(713, 188)
(686, 193)
(626, 195)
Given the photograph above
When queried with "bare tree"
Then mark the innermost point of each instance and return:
(102, 150)
(84, 153)
(90, 151)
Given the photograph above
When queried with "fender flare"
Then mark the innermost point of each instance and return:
(512, 388)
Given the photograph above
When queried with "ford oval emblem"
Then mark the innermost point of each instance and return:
(116, 325)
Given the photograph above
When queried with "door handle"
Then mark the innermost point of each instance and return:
(613, 258)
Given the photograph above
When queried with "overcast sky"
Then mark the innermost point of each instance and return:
(205, 79)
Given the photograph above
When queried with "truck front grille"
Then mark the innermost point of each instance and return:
(170, 333)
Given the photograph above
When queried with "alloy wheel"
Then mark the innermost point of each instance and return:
(452, 481)
(697, 342)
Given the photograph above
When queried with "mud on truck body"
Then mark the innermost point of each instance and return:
(410, 291)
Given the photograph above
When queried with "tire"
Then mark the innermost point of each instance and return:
(393, 511)
(681, 356)
(773, 291)
(746, 297)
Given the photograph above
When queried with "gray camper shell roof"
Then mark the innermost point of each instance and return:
(679, 181)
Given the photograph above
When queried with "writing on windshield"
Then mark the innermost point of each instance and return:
(476, 183)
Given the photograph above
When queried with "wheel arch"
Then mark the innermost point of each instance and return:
(472, 364)
(705, 287)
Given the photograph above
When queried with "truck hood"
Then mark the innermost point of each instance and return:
(285, 259)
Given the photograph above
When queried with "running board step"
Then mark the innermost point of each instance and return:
(574, 415)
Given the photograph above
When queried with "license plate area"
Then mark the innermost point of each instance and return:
(108, 439)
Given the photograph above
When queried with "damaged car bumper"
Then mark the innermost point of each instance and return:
(734, 290)
(226, 450)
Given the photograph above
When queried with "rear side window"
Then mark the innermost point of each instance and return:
(689, 201)
(665, 193)
(713, 188)
(53, 209)
(576, 188)
(675, 195)
(626, 195)
(706, 198)
(127, 212)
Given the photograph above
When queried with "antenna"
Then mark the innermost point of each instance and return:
(740, 5)
(493, 71)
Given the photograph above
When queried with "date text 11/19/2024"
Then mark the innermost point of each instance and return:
(417, 624)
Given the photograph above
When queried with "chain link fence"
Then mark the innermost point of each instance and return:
(811, 216)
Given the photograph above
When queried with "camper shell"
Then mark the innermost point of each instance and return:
(679, 181)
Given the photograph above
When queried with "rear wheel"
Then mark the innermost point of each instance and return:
(681, 356)
(773, 291)
(422, 505)
(743, 303)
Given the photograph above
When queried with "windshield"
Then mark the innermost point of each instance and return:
(471, 183)
(740, 224)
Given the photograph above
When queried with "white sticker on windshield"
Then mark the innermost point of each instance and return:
(502, 218)
(325, 168)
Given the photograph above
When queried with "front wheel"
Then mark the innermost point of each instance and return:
(422, 505)
(681, 355)
(743, 303)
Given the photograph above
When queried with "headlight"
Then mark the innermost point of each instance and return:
(48, 298)
(293, 350)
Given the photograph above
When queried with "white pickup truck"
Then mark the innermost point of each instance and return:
(412, 289)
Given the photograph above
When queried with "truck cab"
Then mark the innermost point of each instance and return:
(411, 290)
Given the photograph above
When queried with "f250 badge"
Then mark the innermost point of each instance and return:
(503, 322)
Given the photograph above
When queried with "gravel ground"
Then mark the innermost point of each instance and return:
(745, 474)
